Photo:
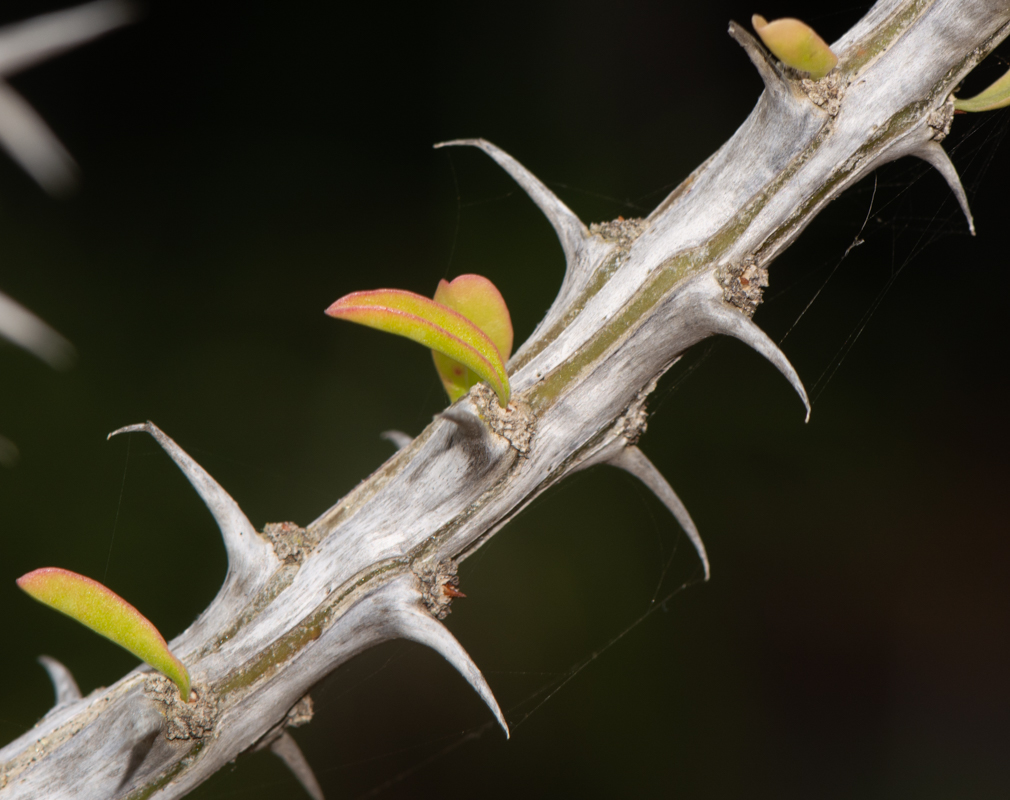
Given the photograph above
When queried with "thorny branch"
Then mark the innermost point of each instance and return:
(298, 602)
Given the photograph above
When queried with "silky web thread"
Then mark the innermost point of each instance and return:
(547, 691)
(119, 507)
(928, 233)
(455, 230)
(856, 241)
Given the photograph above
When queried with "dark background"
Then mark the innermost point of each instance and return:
(246, 164)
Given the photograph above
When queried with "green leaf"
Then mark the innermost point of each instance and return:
(996, 96)
(429, 323)
(796, 45)
(107, 613)
(477, 299)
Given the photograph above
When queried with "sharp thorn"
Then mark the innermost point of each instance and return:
(398, 439)
(760, 58)
(287, 750)
(452, 591)
(932, 153)
(411, 620)
(569, 228)
(635, 462)
(469, 424)
(723, 318)
(63, 682)
(247, 551)
(21, 327)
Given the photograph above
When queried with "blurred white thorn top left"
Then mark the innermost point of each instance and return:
(29, 141)
(23, 133)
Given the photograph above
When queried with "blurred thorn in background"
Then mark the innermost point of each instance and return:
(23, 328)
(23, 133)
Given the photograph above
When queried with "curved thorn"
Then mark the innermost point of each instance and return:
(569, 228)
(25, 44)
(63, 682)
(760, 58)
(469, 424)
(725, 319)
(412, 621)
(247, 551)
(287, 750)
(21, 327)
(933, 154)
(398, 439)
(635, 462)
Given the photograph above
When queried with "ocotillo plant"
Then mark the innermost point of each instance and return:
(637, 294)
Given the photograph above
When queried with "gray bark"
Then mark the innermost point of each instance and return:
(299, 602)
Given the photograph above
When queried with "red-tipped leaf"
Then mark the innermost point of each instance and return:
(796, 45)
(431, 324)
(107, 613)
(477, 299)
